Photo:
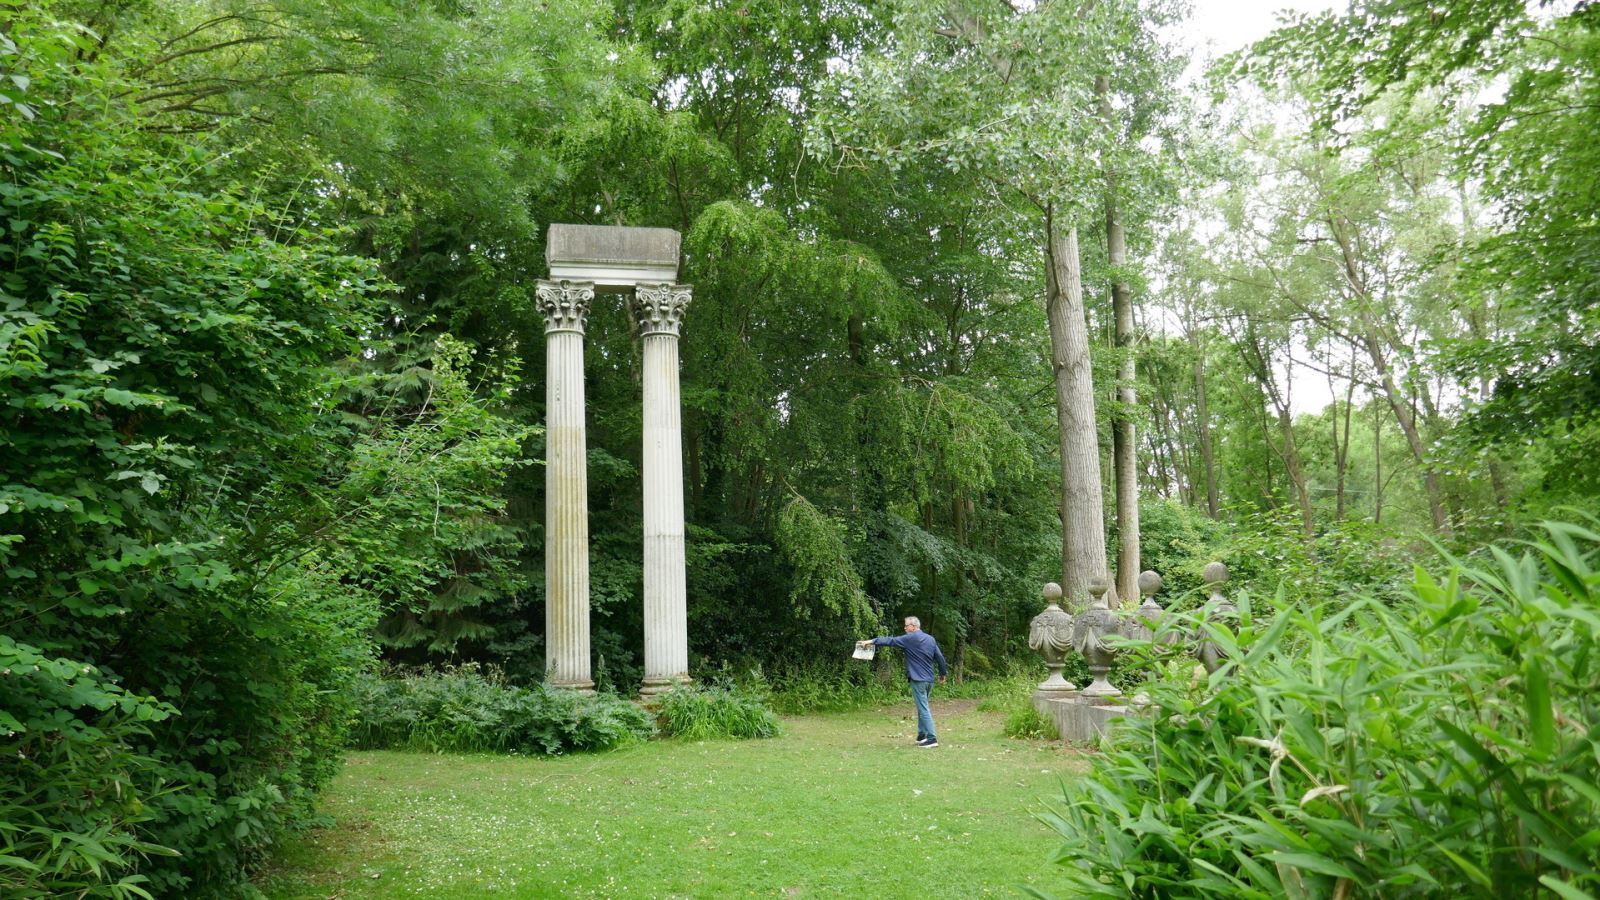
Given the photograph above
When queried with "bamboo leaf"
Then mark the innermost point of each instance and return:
(1319, 864)
(1565, 889)
(1470, 870)
(1541, 717)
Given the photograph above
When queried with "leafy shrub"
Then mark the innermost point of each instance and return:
(164, 351)
(466, 711)
(1441, 745)
(1026, 723)
(68, 824)
(710, 713)
(802, 690)
(806, 689)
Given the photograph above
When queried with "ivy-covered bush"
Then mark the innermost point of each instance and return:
(712, 713)
(466, 711)
(1442, 744)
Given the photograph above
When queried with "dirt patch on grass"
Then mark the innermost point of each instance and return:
(954, 707)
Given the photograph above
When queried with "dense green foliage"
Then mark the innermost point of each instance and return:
(164, 369)
(1442, 744)
(194, 550)
(708, 713)
(467, 712)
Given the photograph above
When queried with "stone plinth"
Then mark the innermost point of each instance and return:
(1079, 718)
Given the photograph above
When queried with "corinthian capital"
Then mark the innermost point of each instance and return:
(565, 304)
(658, 308)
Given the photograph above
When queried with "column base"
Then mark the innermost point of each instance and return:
(582, 687)
(657, 685)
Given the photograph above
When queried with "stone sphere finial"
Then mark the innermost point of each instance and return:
(1149, 582)
(1098, 585)
(1215, 573)
(1052, 593)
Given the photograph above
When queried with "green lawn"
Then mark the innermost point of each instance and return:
(840, 805)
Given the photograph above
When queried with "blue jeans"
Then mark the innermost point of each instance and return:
(919, 690)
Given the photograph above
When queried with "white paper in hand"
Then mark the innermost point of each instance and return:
(864, 652)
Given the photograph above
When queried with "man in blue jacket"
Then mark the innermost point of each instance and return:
(922, 654)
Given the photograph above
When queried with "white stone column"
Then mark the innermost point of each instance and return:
(566, 486)
(658, 309)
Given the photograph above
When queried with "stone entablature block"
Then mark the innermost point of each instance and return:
(615, 258)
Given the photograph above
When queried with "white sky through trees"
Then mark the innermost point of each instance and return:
(1218, 27)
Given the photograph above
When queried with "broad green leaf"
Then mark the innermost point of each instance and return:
(1541, 717)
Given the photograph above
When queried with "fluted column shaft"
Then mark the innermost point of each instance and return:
(566, 487)
(658, 310)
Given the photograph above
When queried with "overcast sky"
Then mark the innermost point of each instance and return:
(1227, 25)
(1222, 26)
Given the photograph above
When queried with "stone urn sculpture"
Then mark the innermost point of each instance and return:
(1218, 608)
(1050, 634)
(1090, 630)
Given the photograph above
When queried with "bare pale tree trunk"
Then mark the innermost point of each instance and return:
(1083, 540)
(1377, 466)
(1260, 359)
(1342, 446)
(1203, 424)
(1338, 460)
(1408, 426)
(1123, 442)
(1373, 342)
(1169, 453)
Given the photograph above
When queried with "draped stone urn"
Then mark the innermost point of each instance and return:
(1050, 634)
(1212, 655)
(1091, 628)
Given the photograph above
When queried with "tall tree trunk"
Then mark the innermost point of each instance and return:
(958, 521)
(1408, 426)
(1377, 465)
(1123, 443)
(1169, 452)
(1295, 469)
(1260, 359)
(1268, 492)
(1083, 540)
(1373, 342)
(1343, 446)
(1203, 424)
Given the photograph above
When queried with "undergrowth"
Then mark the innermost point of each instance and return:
(466, 711)
(1440, 744)
(709, 713)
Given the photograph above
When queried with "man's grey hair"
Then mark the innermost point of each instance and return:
(914, 620)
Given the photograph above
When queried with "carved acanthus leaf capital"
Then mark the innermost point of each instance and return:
(659, 308)
(565, 304)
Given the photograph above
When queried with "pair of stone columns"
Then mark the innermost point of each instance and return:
(658, 311)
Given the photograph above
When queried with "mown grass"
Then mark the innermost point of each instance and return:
(840, 805)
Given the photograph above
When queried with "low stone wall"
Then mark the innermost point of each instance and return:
(1078, 719)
